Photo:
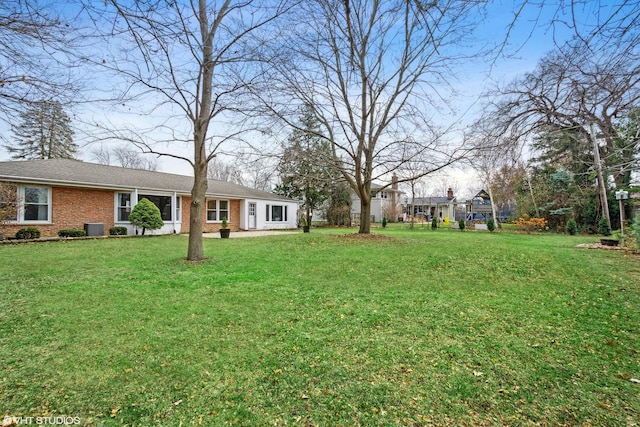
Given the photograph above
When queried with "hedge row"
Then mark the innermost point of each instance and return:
(34, 233)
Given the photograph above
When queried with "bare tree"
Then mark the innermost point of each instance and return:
(369, 72)
(191, 62)
(224, 171)
(412, 174)
(8, 204)
(35, 55)
(492, 153)
(583, 89)
(260, 172)
(125, 157)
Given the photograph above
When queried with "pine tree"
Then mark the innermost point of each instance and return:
(307, 169)
(44, 133)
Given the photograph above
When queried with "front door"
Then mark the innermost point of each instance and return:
(252, 215)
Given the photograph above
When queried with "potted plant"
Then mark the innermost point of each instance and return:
(224, 228)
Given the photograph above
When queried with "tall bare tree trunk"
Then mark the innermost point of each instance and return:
(195, 251)
(602, 189)
(365, 216)
(493, 206)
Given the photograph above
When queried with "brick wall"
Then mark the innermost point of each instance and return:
(211, 227)
(72, 208)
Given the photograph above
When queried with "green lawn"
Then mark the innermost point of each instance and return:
(420, 328)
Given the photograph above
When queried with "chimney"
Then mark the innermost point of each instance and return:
(450, 193)
(394, 181)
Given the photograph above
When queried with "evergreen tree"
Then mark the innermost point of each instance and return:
(146, 215)
(339, 205)
(43, 133)
(306, 168)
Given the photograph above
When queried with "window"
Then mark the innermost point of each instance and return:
(25, 203)
(36, 204)
(276, 213)
(124, 202)
(162, 202)
(124, 206)
(217, 209)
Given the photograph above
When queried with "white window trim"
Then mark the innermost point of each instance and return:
(217, 209)
(117, 206)
(141, 193)
(285, 213)
(176, 201)
(23, 203)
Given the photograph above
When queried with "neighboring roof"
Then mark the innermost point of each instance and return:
(429, 201)
(75, 173)
(388, 188)
(482, 194)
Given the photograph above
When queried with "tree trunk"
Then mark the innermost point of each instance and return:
(493, 207)
(602, 189)
(365, 216)
(195, 252)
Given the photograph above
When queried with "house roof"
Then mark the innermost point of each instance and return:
(483, 194)
(75, 173)
(429, 201)
(377, 187)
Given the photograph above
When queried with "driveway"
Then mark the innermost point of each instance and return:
(256, 233)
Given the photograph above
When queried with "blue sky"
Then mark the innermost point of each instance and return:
(533, 36)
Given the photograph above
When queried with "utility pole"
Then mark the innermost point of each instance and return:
(604, 204)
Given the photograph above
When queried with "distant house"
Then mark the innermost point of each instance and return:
(431, 207)
(59, 193)
(385, 202)
(479, 208)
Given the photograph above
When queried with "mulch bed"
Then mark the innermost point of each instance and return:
(598, 245)
(371, 237)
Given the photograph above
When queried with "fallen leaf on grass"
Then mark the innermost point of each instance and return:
(635, 380)
(478, 374)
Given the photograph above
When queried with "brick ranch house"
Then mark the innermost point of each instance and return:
(59, 194)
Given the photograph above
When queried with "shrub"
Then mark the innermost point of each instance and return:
(71, 232)
(146, 215)
(384, 222)
(461, 224)
(530, 224)
(636, 229)
(28, 233)
(603, 227)
(491, 224)
(572, 227)
(118, 231)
